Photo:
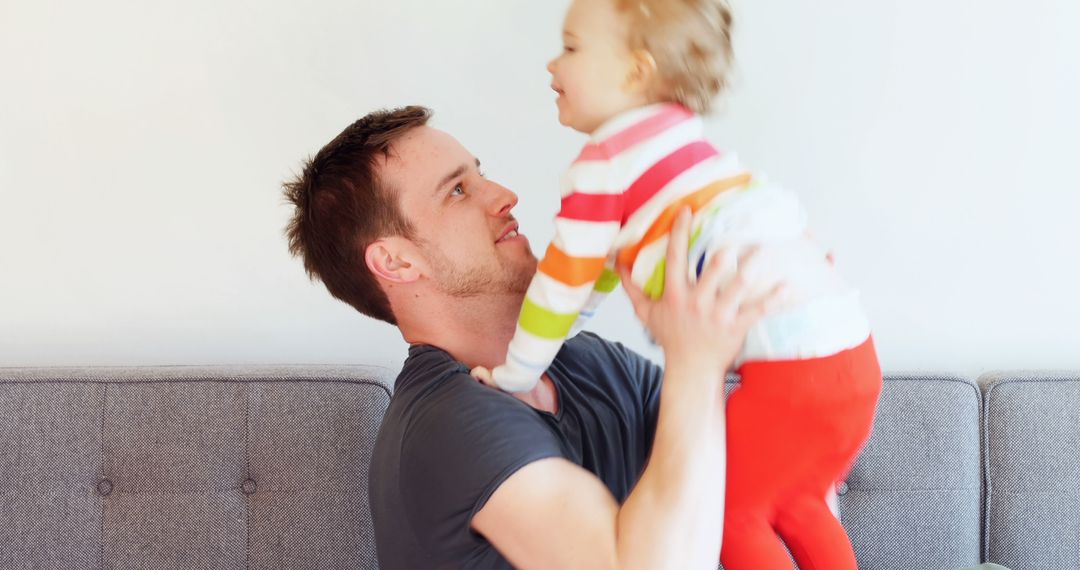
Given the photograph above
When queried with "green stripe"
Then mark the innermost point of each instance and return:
(654, 287)
(697, 233)
(545, 323)
(607, 282)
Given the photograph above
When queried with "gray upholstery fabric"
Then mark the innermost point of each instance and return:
(266, 467)
(912, 499)
(188, 467)
(1033, 470)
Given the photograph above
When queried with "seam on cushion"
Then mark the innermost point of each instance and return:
(213, 380)
(908, 491)
(205, 379)
(247, 471)
(988, 493)
(101, 544)
(230, 490)
(987, 485)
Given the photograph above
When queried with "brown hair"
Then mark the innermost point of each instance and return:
(690, 40)
(341, 207)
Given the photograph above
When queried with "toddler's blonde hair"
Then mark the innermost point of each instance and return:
(690, 41)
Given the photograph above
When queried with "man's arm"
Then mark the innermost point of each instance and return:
(552, 513)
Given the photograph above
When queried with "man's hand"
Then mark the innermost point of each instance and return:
(706, 322)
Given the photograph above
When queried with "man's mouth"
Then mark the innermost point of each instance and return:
(510, 234)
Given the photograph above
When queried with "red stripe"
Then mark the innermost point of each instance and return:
(647, 128)
(592, 207)
(592, 152)
(662, 173)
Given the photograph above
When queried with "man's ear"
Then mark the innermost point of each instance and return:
(393, 259)
(642, 74)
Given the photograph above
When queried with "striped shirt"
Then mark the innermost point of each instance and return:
(620, 198)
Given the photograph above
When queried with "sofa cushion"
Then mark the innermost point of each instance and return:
(913, 498)
(188, 467)
(1033, 470)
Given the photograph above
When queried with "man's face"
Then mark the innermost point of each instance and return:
(461, 220)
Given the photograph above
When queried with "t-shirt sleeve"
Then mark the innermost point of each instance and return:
(647, 378)
(464, 441)
(625, 375)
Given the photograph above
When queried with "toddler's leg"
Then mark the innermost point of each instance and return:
(755, 474)
(814, 536)
(750, 543)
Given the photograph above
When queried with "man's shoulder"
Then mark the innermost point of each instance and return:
(426, 364)
(588, 344)
(592, 356)
(437, 403)
(445, 444)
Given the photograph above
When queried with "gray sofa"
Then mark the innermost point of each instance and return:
(230, 467)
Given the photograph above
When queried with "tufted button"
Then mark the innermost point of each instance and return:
(841, 488)
(248, 487)
(104, 487)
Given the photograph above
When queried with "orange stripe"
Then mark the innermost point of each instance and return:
(662, 226)
(571, 270)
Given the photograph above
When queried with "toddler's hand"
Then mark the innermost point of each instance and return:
(483, 375)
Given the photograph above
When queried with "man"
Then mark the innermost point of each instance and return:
(608, 463)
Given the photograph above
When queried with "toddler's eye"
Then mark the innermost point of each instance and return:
(569, 49)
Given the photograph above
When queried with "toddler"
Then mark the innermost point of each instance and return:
(636, 75)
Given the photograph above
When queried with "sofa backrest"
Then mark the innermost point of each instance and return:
(188, 467)
(266, 467)
(1032, 469)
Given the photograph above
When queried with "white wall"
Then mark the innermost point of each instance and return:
(142, 146)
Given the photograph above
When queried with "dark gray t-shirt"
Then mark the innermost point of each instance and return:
(447, 442)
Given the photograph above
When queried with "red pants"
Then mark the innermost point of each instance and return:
(794, 429)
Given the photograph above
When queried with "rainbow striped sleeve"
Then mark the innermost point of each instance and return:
(571, 278)
(614, 176)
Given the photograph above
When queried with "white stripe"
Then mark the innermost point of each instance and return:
(616, 175)
(822, 327)
(529, 354)
(556, 296)
(646, 261)
(579, 238)
(623, 121)
(767, 212)
(690, 181)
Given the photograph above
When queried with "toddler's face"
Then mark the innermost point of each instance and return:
(593, 73)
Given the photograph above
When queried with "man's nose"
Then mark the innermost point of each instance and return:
(502, 200)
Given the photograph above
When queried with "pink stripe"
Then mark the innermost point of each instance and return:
(642, 130)
(662, 173)
(592, 207)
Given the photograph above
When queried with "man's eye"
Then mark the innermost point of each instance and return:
(457, 191)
